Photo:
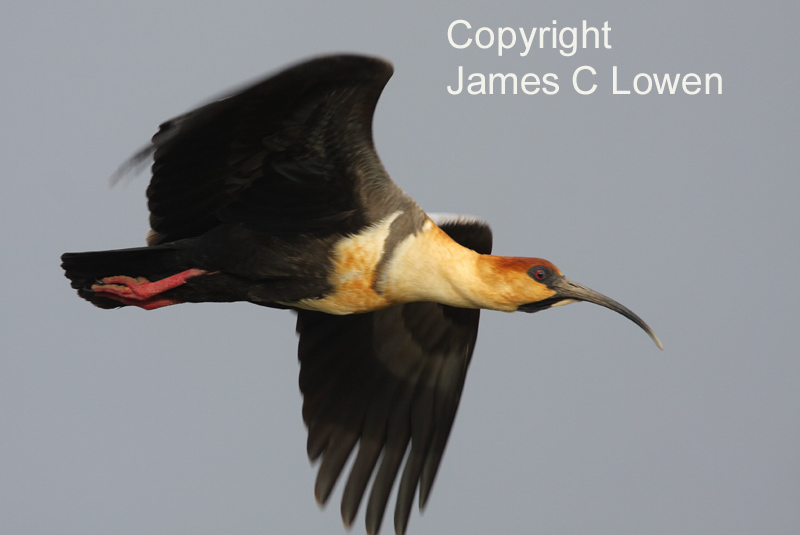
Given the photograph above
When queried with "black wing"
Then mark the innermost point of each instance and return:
(290, 154)
(385, 379)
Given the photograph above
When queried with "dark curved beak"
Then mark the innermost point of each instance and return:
(567, 291)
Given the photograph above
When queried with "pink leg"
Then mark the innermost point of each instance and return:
(140, 291)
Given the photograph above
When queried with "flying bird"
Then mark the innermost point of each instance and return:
(275, 195)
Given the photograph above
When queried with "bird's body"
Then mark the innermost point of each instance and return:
(275, 195)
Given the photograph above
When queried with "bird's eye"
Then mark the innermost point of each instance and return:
(539, 273)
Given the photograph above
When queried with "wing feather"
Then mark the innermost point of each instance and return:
(388, 384)
(287, 154)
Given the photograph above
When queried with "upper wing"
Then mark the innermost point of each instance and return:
(289, 154)
(385, 379)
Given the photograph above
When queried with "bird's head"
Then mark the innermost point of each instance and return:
(540, 285)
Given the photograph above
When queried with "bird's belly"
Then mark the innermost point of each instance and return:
(347, 299)
(354, 275)
(353, 290)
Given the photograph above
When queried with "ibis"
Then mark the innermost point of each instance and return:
(275, 195)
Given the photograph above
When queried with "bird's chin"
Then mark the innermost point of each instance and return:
(544, 304)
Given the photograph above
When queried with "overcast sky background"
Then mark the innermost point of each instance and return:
(186, 420)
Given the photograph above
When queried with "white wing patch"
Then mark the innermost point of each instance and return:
(442, 218)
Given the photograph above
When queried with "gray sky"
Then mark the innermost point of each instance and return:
(186, 420)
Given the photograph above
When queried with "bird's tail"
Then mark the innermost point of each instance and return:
(86, 269)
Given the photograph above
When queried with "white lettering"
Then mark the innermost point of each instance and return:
(687, 82)
(573, 43)
(450, 34)
(542, 31)
(460, 82)
(636, 83)
(528, 42)
(526, 83)
(549, 79)
(666, 82)
(504, 77)
(587, 30)
(479, 86)
(564, 39)
(606, 31)
(501, 44)
(575, 80)
(719, 82)
(478, 37)
(616, 91)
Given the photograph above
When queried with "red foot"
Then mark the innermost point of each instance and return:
(141, 292)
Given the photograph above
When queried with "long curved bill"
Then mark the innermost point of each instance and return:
(567, 291)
